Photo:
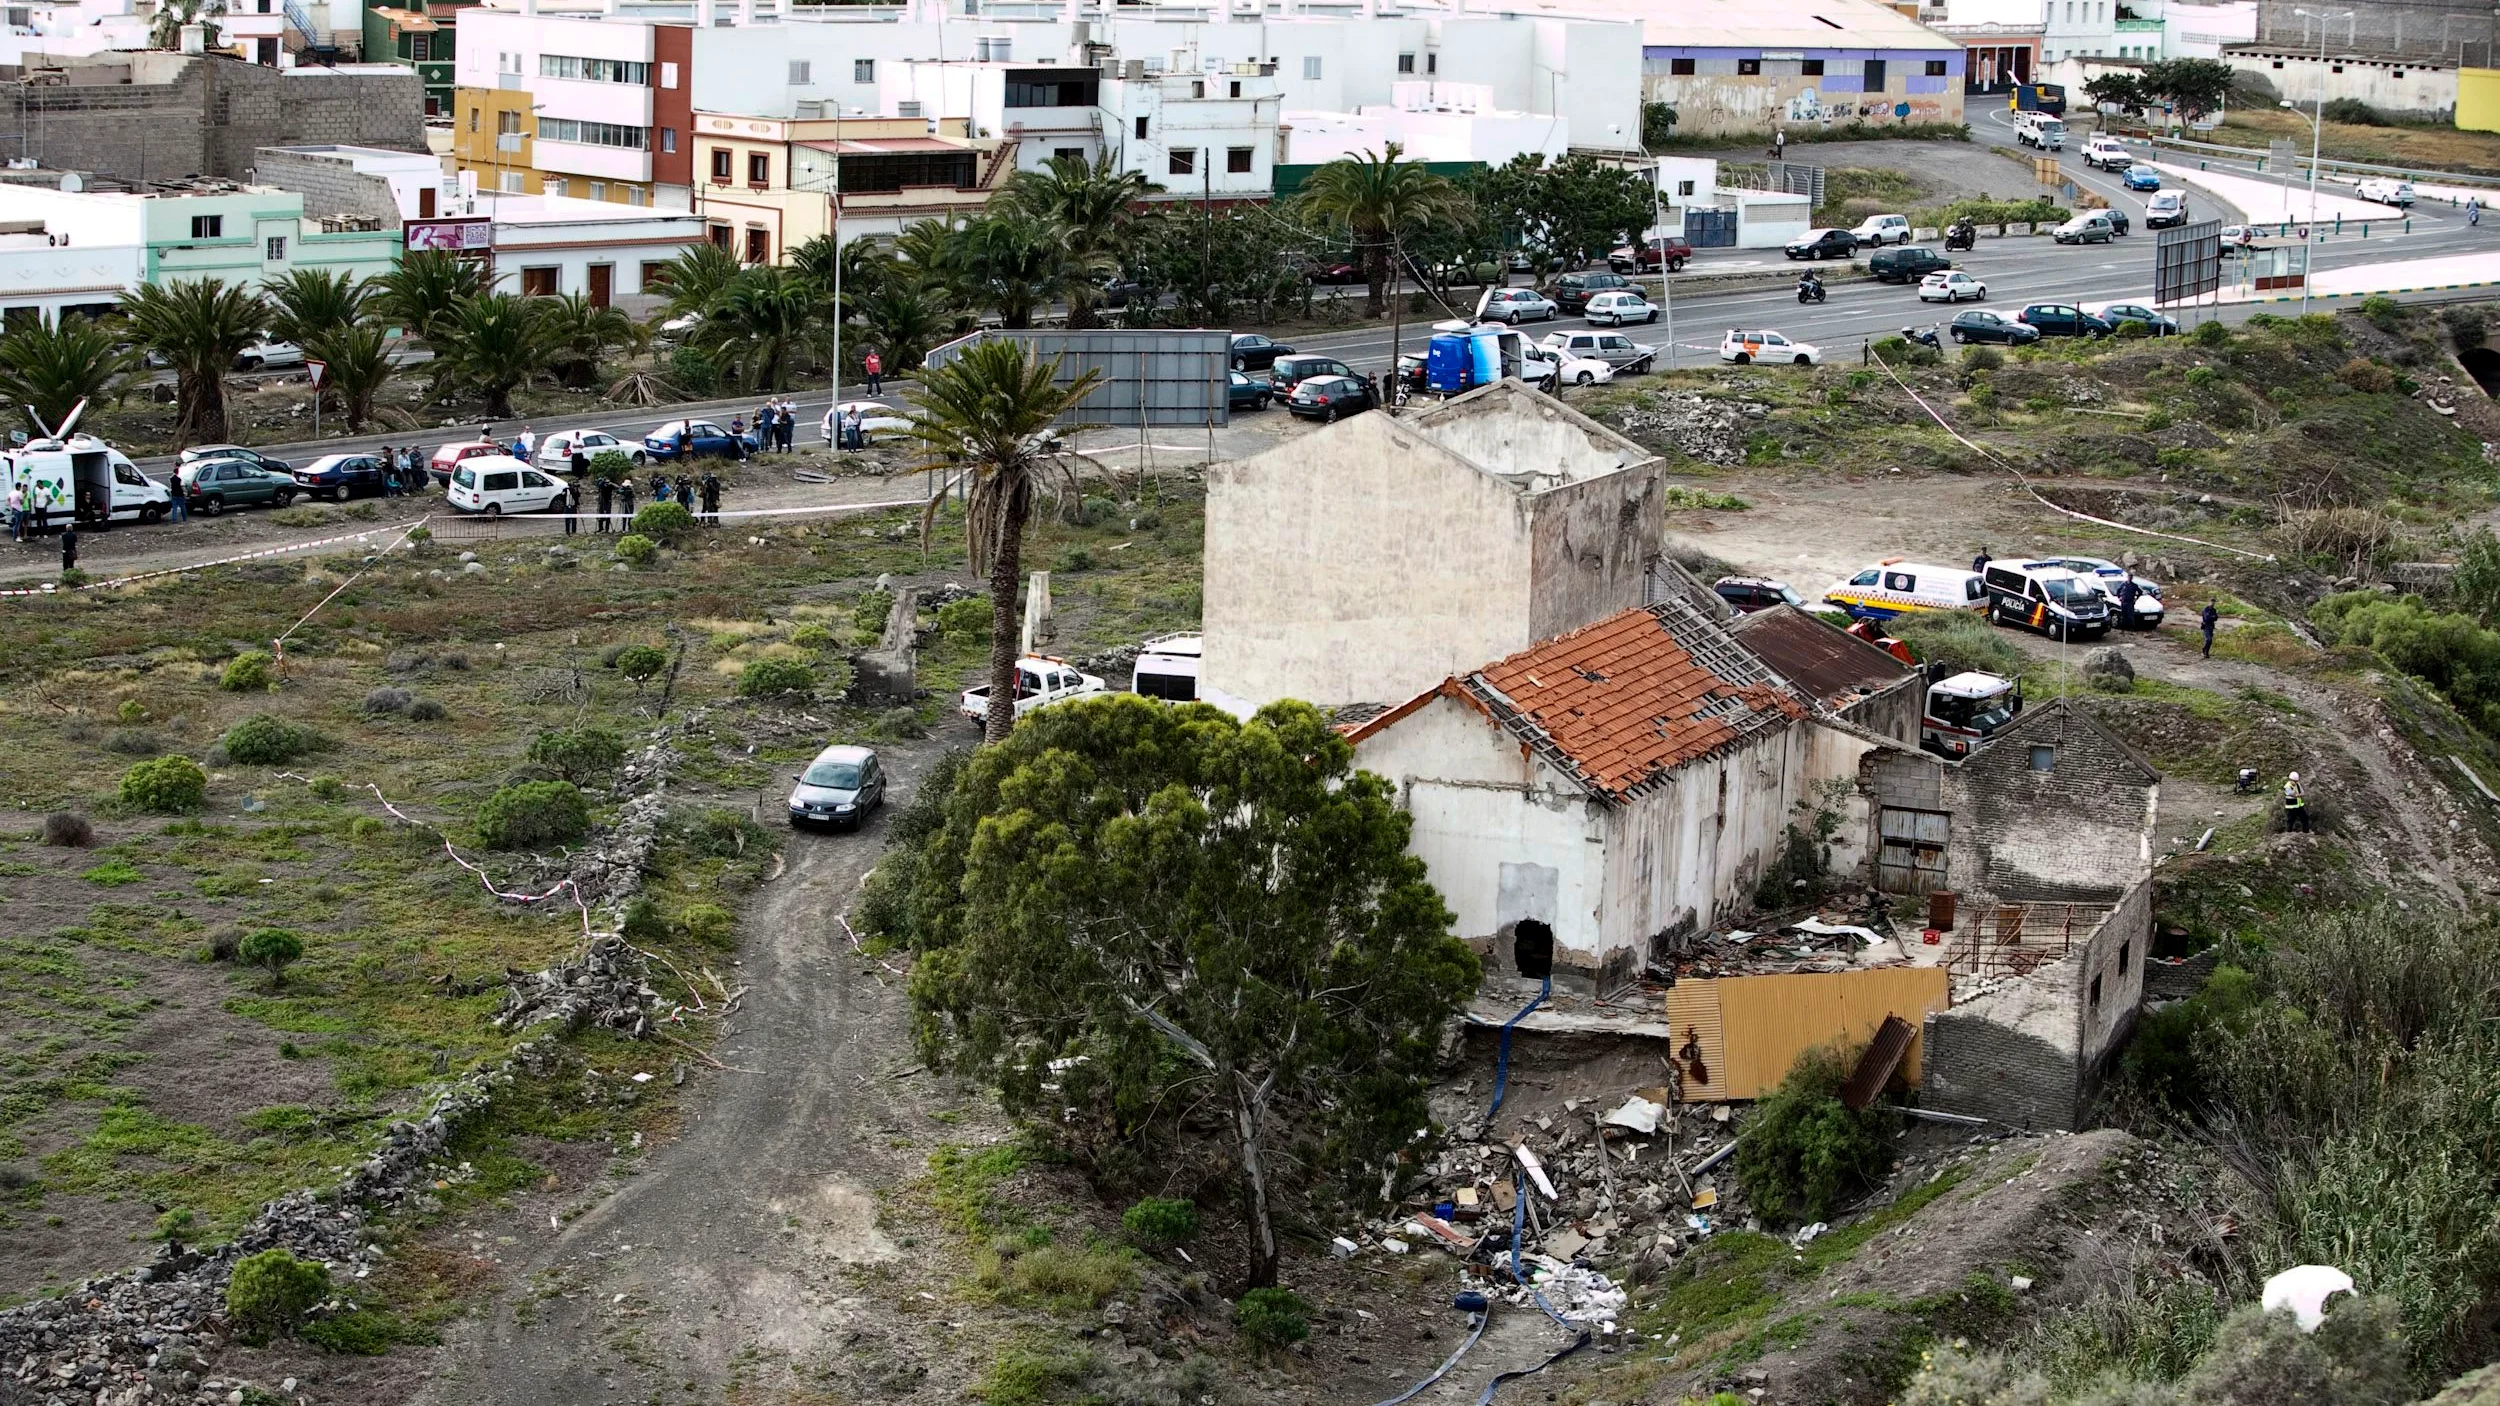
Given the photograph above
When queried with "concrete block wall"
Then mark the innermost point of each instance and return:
(204, 116)
(148, 131)
(251, 107)
(2078, 831)
(329, 187)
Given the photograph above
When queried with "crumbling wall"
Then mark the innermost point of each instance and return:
(329, 186)
(2072, 826)
(194, 115)
(1893, 711)
(2112, 978)
(1590, 547)
(890, 672)
(2012, 1055)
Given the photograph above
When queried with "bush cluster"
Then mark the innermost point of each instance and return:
(634, 549)
(639, 662)
(869, 611)
(263, 740)
(167, 786)
(2453, 653)
(533, 815)
(248, 672)
(665, 523)
(272, 950)
(578, 754)
(271, 1292)
(388, 701)
(1160, 1222)
(2366, 376)
(772, 676)
(1804, 1153)
(1273, 1319)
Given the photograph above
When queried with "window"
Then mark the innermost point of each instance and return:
(759, 169)
(654, 275)
(1236, 89)
(633, 195)
(2125, 950)
(598, 190)
(274, 249)
(1067, 153)
(553, 185)
(1237, 160)
(507, 123)
(1749, 66)
(208, 226)
(1684, 188)
(907, 109)
(2044, 759)
(2278, 63)
(800, 72)
(2096, 993)
(1875, 75)
(472, 119)
(538, 282)
(1198, 87)
(668, 75)
(1183, 162)
(1432, 63)
(1310, 69)
(668, 139)
(1935, 68)
(617, 134)
(759, 246)
(1053, 89)
(1141, 129)
(720, 236)
(597, 70)
(509, 183)
(1812, 68)
(1680, 68)
(421, 47)
(1406, 63)
(720, 165)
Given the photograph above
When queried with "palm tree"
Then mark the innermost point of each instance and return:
(308, 304)
(359, 360)
(930, 252)
(172, 15)
(427, 287)
(1015, 264)
(763, 321)
(50, 369)
(987, 413)
(198, 328)
(1378, 199)
(904, 318)
(696, 277)
(1094, 208)
(493, 344)
(582, 334)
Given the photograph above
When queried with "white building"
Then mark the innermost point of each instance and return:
(551, 244)
(2068, 28)
(1690, 193)
(254, 30)
(42, 277)
(1429, 121)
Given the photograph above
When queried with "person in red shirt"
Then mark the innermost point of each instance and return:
(875, 367)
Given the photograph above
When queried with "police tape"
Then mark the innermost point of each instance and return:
(50, 588)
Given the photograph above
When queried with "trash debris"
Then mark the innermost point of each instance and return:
(1819, 928)
(1808, 1234)
(2020, 1284)
(1705, 1198)
(2304, 1289)
(1566, 1244)
(1638, 1114)
(1394, 1245)
(1536, 1170)
(1343, 1248)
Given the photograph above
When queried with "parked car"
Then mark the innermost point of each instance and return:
(556, 450)
(450, 456)
(840, 788)
(1951, 286)
(1823, 244)
(1751, 593)
(2384, 190)
(1583, 371)
(1246, 393)
(1613, 348)
(1742, 347)
(1572, 291)
(2148, 606)
(1977, 326)
(2088, 227)
(705, 440)
(1326, 398)
(2062, 320)
(2058, 603)
(2141, 177)
(1252, 352)
(1040, 683)
(234, 451)
(1879, 230)
(1290, 371)
(1907, 264)
(877, 420)
(1619, 307)
(213, 485)
(269, 356)
(2108, 153)
(1514, 306)
(495, 484)
(2165, 209)
(339, 477)
(2119, 314)
(1645, 256)
(1337, 271)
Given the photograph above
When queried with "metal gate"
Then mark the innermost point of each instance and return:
(1710, 229)
(1911, 857)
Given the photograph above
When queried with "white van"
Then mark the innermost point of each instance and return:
(83, 479)
(495, 484)
(2051, 599)
(1897, 587)
(2041, 130)
(1167, 668)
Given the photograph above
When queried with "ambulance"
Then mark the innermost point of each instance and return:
(1896, 587)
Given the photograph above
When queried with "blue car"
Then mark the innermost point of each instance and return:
(341, 476)
(702, 438)
(2141, 178)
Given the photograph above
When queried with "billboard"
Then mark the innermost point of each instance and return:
(2187, 262)
(1176, 377)
(453, 236)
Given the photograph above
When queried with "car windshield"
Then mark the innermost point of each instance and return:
(465, 477)
(2073, 592)
(1791, 596)
(838, 776)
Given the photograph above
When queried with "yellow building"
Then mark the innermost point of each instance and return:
(494, 133)
(767, 186)
(2478, 99)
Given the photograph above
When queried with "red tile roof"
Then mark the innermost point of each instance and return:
(1624, 701)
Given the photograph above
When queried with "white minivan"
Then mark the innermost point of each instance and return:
(1897, 587)
(495, 484)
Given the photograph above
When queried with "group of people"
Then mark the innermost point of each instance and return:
(616, 496)
(776, 427)
(403, 470)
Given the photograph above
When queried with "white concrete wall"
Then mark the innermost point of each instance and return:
(87, 217)
(1489, 137)
(1767, 220)
(1691, 852)
(1211, 127)
(48, 278)
(2396, 87)
(2200, 31)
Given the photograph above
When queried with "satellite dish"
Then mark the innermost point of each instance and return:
(72, 182)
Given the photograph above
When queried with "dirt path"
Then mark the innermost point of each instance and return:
(730, 1260)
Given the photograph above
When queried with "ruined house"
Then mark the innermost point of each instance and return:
(1367, 562)
(1851, 678)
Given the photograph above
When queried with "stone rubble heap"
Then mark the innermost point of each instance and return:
(607, 985)
(1704, 427)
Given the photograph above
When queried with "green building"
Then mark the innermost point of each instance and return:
(421, 39)
(250, 235)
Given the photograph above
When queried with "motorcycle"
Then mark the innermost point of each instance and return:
(1959, 238)
(1924, 336)
(1810, 290)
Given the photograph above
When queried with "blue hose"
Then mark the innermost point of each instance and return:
(1518, 1220)
(1501, 1061)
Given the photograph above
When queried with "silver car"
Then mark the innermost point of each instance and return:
(839, 788)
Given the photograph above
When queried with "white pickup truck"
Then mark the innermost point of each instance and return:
(1039, 683)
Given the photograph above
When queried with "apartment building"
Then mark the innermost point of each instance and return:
(766, 186)
(573, 106)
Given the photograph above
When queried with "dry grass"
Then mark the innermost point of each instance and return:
(2441, 147)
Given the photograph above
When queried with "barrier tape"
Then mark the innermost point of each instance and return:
(564, 885)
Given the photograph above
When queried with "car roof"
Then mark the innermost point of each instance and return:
(495, 461)
(334, 458)
(1332, 376)
(1971, 684)
(1751, 581)
(845, 752)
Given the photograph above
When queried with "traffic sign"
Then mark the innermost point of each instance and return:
(318, 370)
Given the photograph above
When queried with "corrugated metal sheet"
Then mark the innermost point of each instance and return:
(1700, 1049)
(1155, 377)
(1884, 1054)
(1752, 1028)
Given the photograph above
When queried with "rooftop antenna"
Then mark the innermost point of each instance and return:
(68, 422)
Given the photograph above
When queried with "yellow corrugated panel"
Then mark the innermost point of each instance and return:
(1693, 1013)
(2478, 99)
(1760, 1024)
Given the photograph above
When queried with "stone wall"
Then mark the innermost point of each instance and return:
(329, 186)
(186, 115)
(2072, 825)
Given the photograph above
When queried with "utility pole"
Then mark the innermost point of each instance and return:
(1666, 292)
(2317, 143)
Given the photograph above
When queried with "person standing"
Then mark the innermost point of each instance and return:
(874, 366)
(389, 460)
(786, 425)
(607, 502)
(17, 512)
(2473, 210)
(179, 509)
(2295, 804)
(1980, 562)
(527, 444)
(572, 508)
(659, 488)
(625, 505)
(2206, 623)
(42, 510)
(2128, 590)
(1779, 145)
(69, 547)
(711, 497)
(581, 463)
(685, 492)
(685, 441)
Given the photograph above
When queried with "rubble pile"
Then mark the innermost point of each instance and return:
(1703, 427)
(607, 985)
(141, 1335)
(1811, 945)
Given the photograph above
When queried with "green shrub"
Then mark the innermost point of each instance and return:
(1160, 1222)
(132, 742)
(966, 619)
(2211, 334)
(271, 1292)
(2384, 313)
(166, 786)
(643, 922)
(2453, 653)
(710, 924)
(426, 710)
(2366, 376)
(132, 711)
(611, 465)
(717, 832)
(273, 950)
(2352, 112)
(578, 754)
(328, 788)
(812, 636)
(2466, 327)
(634, 549)
(1073, 560)
(1272, 1318)
(869, 611)
(1094, 510)
(1982, 359)
(1999, 212)
(640, 662)
(695, 374)
(665, 523)
(1803, 1153)
(263, 740)
(365, 1332)
(248, 672)
(768, 677)
(420, 534)
(533, 815)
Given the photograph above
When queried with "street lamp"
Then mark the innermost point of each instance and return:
(2317, 136)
